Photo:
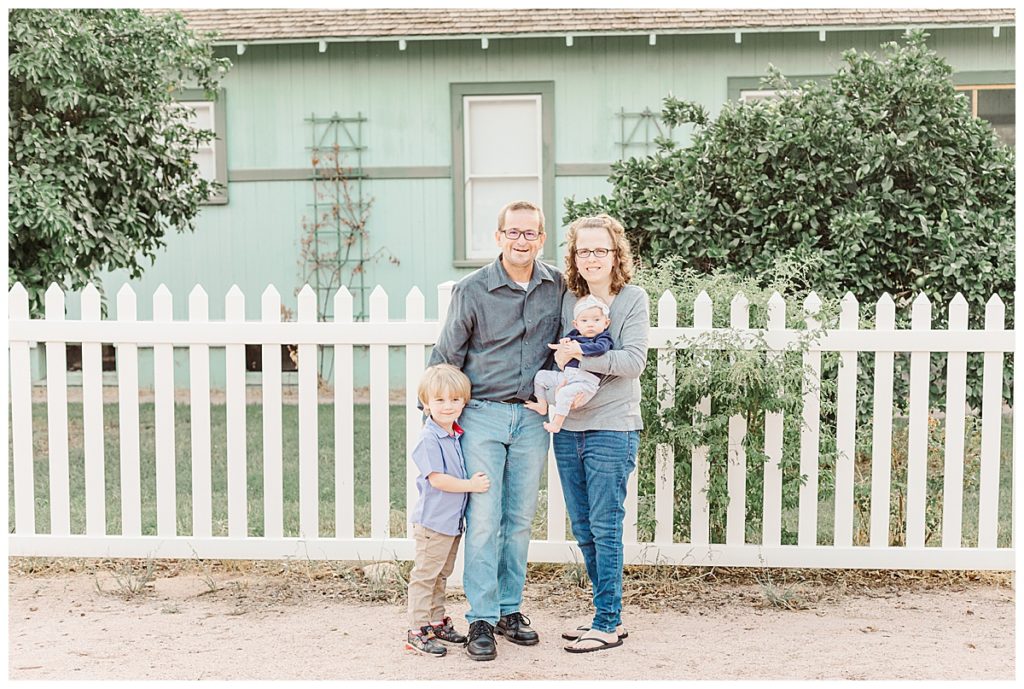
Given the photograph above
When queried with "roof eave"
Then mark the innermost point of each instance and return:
(583, 34)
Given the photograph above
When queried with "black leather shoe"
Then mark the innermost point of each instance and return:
(516, 628)
(480, 645)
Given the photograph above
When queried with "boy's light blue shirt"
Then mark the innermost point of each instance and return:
(439, 451)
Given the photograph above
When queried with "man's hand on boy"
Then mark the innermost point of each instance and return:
(479, 483)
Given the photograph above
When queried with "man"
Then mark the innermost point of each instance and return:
(501, 319)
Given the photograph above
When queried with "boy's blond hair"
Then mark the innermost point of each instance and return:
(443, 378)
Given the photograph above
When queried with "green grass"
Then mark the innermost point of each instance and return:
(862, 485)
(254, 450)
(218, 450)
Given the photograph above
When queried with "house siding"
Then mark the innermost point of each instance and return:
(253, 240)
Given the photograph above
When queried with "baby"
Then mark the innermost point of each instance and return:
(590, 321)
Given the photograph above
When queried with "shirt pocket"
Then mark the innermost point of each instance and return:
(548, 328)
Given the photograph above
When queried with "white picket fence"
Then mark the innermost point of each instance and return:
(414, 333)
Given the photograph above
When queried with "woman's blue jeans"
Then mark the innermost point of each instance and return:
(593, 467)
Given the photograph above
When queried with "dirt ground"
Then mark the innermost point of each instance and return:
(99, 624)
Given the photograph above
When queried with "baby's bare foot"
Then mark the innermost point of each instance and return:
(541, 406)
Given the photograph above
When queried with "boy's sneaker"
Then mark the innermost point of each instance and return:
(424, 642)
(446, 632)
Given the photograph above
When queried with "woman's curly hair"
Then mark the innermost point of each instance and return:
(622, 268)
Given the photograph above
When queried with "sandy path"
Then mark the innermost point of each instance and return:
(62, 627)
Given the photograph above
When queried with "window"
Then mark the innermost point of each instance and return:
(994, 103)
(501, 142)
(753, 88)
(212, 156)
(762, 94)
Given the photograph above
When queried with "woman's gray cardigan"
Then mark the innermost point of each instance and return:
(616, 406)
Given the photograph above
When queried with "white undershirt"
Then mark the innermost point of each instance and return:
(524, 285)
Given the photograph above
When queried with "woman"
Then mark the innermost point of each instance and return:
(596, 447)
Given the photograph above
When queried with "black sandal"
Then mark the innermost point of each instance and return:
(584, 630)
(601, 645)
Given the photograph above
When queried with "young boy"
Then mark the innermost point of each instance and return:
(590, 329)
(437, 519)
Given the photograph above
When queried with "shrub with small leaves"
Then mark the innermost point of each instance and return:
(740, 382)
(881, 172)
(100, 156)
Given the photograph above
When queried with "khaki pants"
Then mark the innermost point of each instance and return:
(435, 560)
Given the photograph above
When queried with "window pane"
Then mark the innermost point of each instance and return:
(207, 166)
(485, 197)
(997, 107)
(763, 94)
(203, 118)
(503, 137)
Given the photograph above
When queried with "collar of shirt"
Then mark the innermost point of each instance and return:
(440, 432)
(497, 276)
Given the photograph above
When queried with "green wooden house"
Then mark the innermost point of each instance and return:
(415, 126)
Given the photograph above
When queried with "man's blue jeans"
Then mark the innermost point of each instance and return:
(594, 467)
(509, 444)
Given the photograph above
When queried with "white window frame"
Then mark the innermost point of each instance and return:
(192, 99)
(469, 177)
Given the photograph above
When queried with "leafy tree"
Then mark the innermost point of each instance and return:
(881, 172)
(100, 154)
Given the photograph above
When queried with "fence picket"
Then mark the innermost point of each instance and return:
(807, 529)
(234, 363)
(444, 300)
(163, 395)
(128, 413)
(92, 420)
(991, 427)
(309, 520)
(57, 420)
(881, 429)
(414, 333)
(632, 507)
(199, 397)
(344, 452)
(273, 470)
(736, 481)
(415, 354)
(700, 516)
(771, 522)
(956, 407)
(556, 500)
(380, 470)
(917, 428)
(664, 485)
(21, 418)
(846, 427)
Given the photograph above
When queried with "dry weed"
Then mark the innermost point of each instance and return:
(255, 584)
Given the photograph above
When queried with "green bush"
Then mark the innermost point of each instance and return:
(101, 156)
(880, 177)
(740, 382)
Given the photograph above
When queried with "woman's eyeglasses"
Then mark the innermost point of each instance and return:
(528, 235)
(600, 253)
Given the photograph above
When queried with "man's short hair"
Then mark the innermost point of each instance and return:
(519, 206)
(442, 378)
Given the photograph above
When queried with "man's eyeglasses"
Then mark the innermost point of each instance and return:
(528, 235)
(600, 253)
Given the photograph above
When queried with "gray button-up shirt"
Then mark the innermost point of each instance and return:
(498, 333)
